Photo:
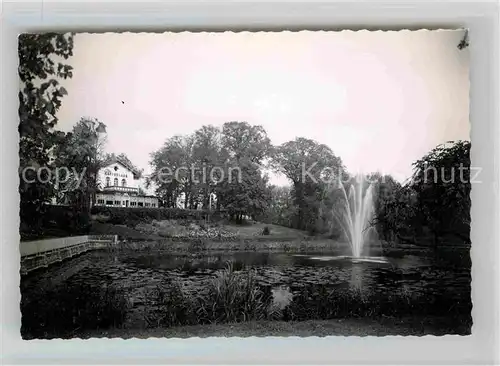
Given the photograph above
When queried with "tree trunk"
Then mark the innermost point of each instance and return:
(206, 198)
(436, 239)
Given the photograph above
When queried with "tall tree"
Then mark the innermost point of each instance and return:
(244, 148)
(395, 206)
(308, 165)
(172, 171)
(208, 157)
(41, 66)
(441, 180)
(224, 163)
(83, 151)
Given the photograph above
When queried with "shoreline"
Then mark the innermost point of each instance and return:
(385, 326)
(198, 245)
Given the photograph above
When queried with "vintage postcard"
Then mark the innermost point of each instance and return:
(245, 184)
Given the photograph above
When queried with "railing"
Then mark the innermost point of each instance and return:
(107, 237)
(42, 253)
(121, 189)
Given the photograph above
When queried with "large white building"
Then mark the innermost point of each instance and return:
(120, 187)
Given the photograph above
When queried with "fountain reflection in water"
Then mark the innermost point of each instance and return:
(356, 281)
(352, 211)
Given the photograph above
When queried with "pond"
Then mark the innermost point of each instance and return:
(301, 286)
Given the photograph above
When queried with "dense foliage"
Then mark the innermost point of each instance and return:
(213, 166)
(127, 215)
(82, 151)
(41, 67)
(442, 185)
(281, 210)
(309, 166)
(54, 165)
(436, 200)
(404, 212)
(58, 221)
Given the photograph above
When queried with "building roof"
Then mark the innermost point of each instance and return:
(114, 160)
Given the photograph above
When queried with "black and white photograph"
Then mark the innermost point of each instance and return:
(240, 184)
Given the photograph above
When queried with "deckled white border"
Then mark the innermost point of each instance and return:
(108, 15)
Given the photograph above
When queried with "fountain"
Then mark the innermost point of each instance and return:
(353, 212)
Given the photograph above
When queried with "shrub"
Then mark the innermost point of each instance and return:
(132, 216)
(197, 245)
(80, 222)
(101, 218)
(56, 221)
(250, 245)
(66, 309)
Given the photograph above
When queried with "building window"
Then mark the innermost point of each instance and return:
(133, 203)
(140, 204)
(108, 181)
(109, 203)
(100, 202)
(124, 183)
(116, 182)
(153, 205)
(118, 203)
(147, 204)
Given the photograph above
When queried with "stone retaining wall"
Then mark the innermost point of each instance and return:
(42, 253)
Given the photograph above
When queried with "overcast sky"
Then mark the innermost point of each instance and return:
(380, 100)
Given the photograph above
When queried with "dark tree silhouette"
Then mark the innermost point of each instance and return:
(441, 181)
(40, 66)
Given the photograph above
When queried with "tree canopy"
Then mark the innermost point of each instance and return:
(441, 181)
(310, 166)
(83, 151)
(219, 163)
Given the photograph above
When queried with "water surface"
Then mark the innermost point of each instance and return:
(432, 284)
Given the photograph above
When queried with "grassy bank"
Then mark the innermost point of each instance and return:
(193, 246)
(384, 326)
(192, 229)
(183, 246)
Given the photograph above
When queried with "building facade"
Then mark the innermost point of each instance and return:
(120, 187)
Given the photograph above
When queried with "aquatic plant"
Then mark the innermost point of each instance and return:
(230, 297)
(174, 307)
(234, 297)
